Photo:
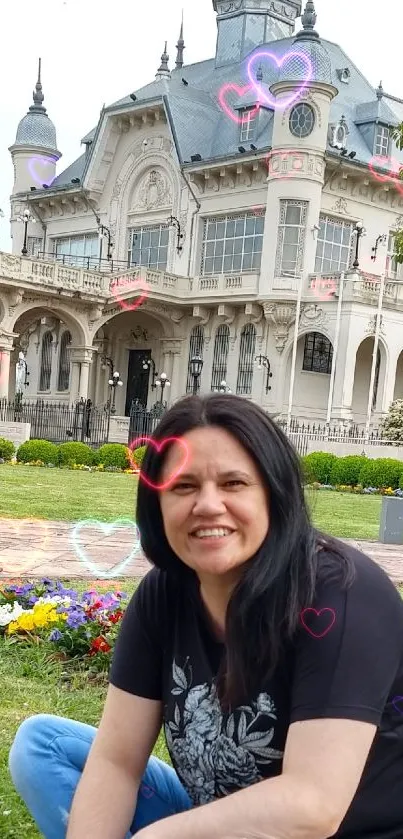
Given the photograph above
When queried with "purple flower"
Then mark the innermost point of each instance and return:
(76, 619)
(56, 635)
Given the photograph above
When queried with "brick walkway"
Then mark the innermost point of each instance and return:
(39, 548)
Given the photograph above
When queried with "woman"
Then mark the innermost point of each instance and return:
(271, 654)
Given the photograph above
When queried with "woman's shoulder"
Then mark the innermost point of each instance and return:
(354, 570)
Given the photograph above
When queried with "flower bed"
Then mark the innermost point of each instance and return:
(357, 490)
(73, 625)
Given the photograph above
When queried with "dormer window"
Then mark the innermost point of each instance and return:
(344, 74)
(248, 125)
(338, 134)
(382, 141)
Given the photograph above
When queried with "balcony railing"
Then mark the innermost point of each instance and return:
(89, 263)
(33, 270)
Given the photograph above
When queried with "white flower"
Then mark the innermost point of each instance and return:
(10, 613)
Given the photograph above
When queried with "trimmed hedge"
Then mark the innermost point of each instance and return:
(138, 455)
(382, 472)
(7, 449)
(42, 450)
(317, 467)
(114, 454)
(347, 470)
(78, 453)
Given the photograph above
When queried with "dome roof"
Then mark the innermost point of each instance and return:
(307, 53)
(36, 129)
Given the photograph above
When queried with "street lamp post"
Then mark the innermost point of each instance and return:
(359, 231)
(196, 367)
(26, 218)
(162, 382)
(147, 363)
(113, 383)
(223, 388)
(263, 361)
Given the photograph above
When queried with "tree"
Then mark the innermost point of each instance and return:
(397, 135)
(392, 424)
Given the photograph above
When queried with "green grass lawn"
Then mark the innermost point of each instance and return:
(64, 495)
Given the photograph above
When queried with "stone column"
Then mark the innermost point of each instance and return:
(389, 383)
(74, 380)
(84, 380)
(4, 371)
(80, 357)
(172, 348)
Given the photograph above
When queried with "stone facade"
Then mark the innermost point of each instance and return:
(133, 180)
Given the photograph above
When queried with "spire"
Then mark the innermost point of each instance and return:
(164, 71)
(37, 95)
(308, 21)
(380, 91)
(180, 48)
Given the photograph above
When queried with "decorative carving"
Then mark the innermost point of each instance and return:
(14, 300)
(172, 345)
(371, 328)
(281, 316)
(341, 206)
(139, 335)
(227, 313)
(155, 191)
(253, 312)
(312, 314)
(201, 314)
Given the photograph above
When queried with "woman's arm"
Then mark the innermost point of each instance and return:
(323, 764)
(105, 801)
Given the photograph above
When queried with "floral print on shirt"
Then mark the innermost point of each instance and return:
(215, 753)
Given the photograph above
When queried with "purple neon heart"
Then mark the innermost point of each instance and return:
(262, 95)
(395, 705)
(32, 171)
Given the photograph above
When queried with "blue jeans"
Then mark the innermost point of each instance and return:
(46, 761)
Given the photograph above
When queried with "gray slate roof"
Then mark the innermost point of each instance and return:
(201, 127)
(36, 129)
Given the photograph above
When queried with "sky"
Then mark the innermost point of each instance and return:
(97, 51)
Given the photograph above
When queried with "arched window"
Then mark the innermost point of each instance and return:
(196, 347)
(220, 356)
(318, 353)
(46, 362)
(63, 378)
(246, 359)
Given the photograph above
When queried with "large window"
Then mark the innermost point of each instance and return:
(318, 353)
(394, 271)
(80, 251)
(46, 362)
(34, 245)
(246, 360)
(220, 356)
(232, 243)
(333, 250)
(148, 246)
(248, 125)
(63, 378)
(291, 238)
(382, 141)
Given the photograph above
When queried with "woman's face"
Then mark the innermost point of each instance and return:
(215, 513)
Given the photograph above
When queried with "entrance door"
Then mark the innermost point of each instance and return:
(137, 379)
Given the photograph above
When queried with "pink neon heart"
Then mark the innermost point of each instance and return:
(263, 97)
(316, 613)
(32, 170)
(150, 442)
(226, 107)
(324, 282)
(392, 176)
(127, 284)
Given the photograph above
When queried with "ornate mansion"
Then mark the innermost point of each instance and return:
(216, 217)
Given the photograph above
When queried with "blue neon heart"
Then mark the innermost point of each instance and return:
(107, 529)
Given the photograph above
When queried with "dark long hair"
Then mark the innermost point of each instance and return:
(279, 580)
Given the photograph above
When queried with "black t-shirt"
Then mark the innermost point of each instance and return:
(345, 662)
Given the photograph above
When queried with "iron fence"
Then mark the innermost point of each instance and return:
(60, 422)
(301, 434)
(142, 422)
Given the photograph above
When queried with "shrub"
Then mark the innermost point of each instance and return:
(7, 449)
(33, 450)
(317, 466)
(114, 454)
(138, 455)
(382, 472)
(78, 453)
(392, 425)
(347, 470)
